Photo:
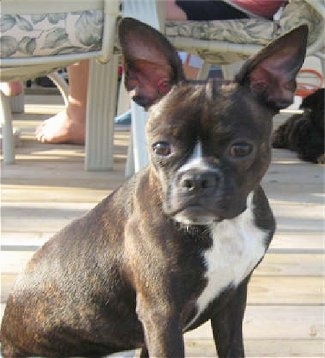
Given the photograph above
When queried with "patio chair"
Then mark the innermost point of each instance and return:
(39, 36)
(222, 43)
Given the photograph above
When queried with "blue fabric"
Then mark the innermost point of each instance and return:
(124, 119)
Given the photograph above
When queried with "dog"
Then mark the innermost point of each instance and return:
(177, 243)
(304, 133)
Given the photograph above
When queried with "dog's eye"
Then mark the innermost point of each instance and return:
(162, 148)
(240, 149)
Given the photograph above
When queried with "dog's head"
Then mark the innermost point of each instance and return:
(209, 142)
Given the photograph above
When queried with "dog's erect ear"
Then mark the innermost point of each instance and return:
(151, 64)
(271, 74)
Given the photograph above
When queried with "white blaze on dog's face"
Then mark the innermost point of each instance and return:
(197, 174)
(195, 161)
(209, 143)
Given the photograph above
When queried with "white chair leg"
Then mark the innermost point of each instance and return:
(137, 156)
(17, 103)
(8, 141)
(60, 84)
(129, 166)
(123, 103)
(229, 71)
(101, 110)
(139, 120)
(204, 71)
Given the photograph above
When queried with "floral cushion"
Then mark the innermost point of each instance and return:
(236, 31)
(51, 34)
(299, 12)
(242, 32)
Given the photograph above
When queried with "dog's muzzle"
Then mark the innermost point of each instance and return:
(202, 197)
(192, 196)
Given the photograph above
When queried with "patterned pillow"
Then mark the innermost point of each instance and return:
(253, 31)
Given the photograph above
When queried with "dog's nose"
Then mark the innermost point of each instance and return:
(195, 180)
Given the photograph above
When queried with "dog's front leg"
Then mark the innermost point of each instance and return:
(163, 334)
(227, 325)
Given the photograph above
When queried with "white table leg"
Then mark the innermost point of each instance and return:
(8, 141)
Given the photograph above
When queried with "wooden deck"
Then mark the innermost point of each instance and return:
(48, 187)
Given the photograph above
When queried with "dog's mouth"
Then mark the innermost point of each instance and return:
(195, 215)
(204, 206)
(205, 212)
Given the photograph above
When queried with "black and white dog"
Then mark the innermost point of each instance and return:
(304, 133)
(176, 244)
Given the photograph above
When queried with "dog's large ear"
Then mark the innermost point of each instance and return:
(271, 74)
(151, 64)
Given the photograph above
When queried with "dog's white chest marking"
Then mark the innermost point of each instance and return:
(237, 247)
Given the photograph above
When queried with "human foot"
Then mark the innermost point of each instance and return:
(60, 129)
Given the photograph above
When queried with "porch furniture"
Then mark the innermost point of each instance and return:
(40, 36)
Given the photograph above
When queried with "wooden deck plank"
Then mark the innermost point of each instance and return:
(302, 241)
(13, 259)
(273, 322)
(288, 243)
(261, 348)
(302, 264)
(262, 290)
(286, 290)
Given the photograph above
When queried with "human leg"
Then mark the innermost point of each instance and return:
(12, 88)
